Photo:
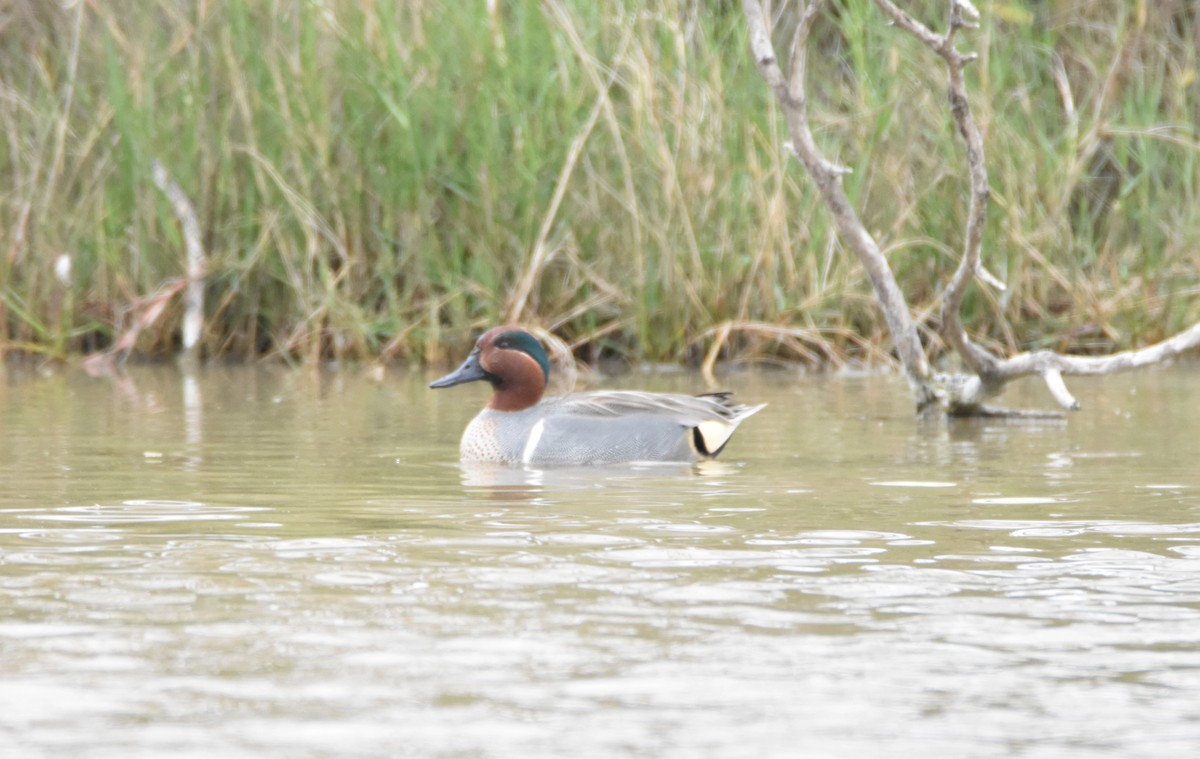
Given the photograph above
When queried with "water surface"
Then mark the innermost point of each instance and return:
(260, 562)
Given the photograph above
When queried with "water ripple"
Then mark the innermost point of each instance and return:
(142, 511)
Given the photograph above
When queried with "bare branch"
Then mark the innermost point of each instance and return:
(990, 279)
(977, 358)
(791, 94)
(994, 371)
(1058, 389)
(1039, 362)
(956, 394)
(761, 47)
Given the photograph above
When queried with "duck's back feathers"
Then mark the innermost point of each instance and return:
(685, 408)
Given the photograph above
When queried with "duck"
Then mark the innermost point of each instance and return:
(520, 426)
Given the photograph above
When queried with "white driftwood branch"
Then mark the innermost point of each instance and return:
(994, 371)
(977, 358)
(1058, 389)
(957, 394)
(1039, 362)
(791, 93)
(193, 308)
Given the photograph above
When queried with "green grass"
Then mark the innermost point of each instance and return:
(373, 179)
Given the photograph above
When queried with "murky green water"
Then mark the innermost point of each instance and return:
(268, 563)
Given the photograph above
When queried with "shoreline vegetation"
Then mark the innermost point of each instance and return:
(382, 180)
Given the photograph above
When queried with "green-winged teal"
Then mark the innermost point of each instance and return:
(519, 426)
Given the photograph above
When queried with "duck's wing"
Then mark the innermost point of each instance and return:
(710, 418)
(687, 408)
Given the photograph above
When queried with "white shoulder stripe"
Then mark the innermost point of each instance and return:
(535, 435)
